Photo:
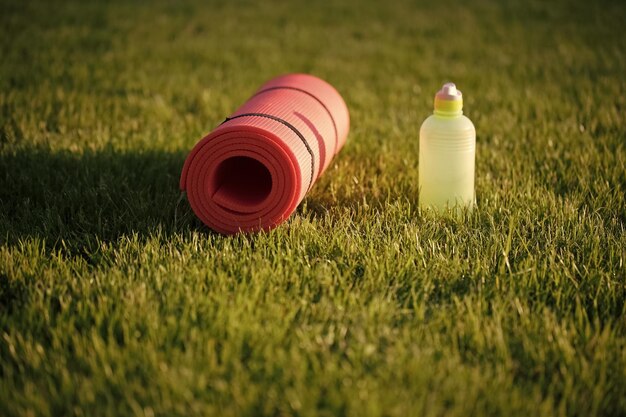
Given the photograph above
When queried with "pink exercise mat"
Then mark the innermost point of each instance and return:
(253, 170)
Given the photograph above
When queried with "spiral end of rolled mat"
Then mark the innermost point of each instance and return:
(252, 171)
(240, 179)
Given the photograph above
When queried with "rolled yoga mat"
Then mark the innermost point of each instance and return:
(253, 170)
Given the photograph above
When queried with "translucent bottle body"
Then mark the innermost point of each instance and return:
(447, 156)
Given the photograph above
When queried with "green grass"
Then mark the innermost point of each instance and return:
(115, 300)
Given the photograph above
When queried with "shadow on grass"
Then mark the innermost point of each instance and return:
(75, 200)
(94, 195)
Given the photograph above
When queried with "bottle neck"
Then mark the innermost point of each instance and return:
(448, 114)
(448, 108)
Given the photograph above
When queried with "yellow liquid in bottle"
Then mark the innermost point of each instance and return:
(447, 155)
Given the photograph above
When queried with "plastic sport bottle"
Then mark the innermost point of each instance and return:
(446, 155)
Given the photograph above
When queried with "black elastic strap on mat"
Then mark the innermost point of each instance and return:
(290, 126)
(285, 87)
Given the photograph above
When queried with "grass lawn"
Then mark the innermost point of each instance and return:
(115, 300)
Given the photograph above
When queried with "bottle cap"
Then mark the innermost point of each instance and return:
(449, 100)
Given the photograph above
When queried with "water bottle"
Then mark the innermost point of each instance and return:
(447, 155)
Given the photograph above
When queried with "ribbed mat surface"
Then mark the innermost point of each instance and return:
(253, 170)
